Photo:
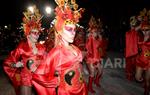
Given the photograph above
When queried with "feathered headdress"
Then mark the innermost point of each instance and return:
(66, 12)
(93, 23)
(99, 23)
(31, 20)
(145, 15)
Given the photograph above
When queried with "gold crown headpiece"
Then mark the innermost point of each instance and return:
(92, 22)
(145, 15)
(31, 20)
(67, 12)
(99, 23)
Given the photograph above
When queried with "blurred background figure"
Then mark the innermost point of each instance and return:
(143, 57)
(131, 49)
(93, 54)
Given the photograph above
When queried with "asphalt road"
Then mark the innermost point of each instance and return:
(113, 81)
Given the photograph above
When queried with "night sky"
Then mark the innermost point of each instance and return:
(111, 13)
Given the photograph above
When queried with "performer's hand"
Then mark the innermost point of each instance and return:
(19, 64)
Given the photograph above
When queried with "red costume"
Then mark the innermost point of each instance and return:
(93, 55)
(27, 55)
(143, 58)
(23, 53)
(131, 43)
(67, 65)
(93, 47)
(61, 72)
(132, 39)
(131, 50)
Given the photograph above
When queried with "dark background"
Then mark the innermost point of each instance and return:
(111, 11)
(114, 15)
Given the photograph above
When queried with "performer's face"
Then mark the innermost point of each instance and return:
(146, 33)
(34, 35)
(68, 32)
(139, 18)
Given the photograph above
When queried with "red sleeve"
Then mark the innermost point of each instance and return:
(12, 58)
(43, 78)
(13, 73)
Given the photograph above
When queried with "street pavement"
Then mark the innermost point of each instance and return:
(113, 81)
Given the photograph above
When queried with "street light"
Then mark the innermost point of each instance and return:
(48, 9)
(48, 12)
(5, 26)
(30, 8)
